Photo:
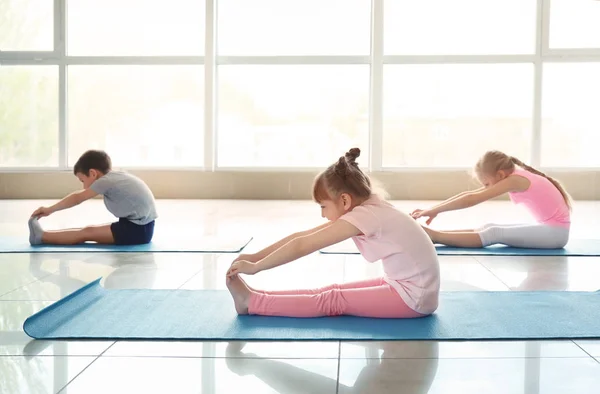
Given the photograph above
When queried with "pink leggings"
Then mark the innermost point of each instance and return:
(368, 298)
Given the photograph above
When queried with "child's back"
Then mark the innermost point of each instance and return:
(409, 258)
(126, 196)
(543, 200)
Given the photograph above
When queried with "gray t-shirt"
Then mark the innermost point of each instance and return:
(126, 196)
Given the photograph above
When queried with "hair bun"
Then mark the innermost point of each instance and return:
(352, 154)
(341, 167)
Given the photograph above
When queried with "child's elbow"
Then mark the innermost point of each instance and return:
(472, 200)
(79, 198)
(302, 246)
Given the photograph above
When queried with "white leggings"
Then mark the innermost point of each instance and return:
(535, 236)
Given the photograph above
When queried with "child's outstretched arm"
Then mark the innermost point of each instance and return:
(270, 249)
(449, 199)
(297, 247)
(417, 213)
(69, 201)
(459, 195)
(469, 199)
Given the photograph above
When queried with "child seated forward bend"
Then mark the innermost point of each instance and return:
(544, 197)
(409, 287)
(125, 196)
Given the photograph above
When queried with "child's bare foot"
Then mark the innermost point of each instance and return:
(252, 289)
(240, 293)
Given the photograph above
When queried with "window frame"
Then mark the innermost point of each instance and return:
(376, 60)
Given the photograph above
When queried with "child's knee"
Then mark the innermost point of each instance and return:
(86, 231)
(331, 302)
(486, 226)
(327, 288)
(559, 241)
(536, 236)
(82, 234)
(490, 235)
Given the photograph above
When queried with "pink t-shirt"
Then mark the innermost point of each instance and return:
(543, 200)
(409, 258)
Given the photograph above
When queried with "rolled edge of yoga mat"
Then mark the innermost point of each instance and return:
(34, 330)
(244, 246)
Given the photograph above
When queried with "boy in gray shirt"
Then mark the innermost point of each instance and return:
(125, 196)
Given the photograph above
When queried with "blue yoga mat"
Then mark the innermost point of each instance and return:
(575, 247)
(94, 312)
(199, 244)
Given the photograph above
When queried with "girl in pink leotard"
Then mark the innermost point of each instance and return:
(544, 197)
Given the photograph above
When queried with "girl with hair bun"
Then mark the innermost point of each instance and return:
(409, 287)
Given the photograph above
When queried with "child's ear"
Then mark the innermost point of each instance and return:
(346, 201)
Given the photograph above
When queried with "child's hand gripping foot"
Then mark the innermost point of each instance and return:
(41, 212)
(35, 231)
(240, 293)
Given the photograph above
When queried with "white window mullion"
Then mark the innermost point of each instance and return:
(542, 40)
(293, 60)
(210, 136)
(60, 29)
(457, 59)
(376, 88)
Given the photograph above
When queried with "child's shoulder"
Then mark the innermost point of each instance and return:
(120, 174)
(120, 178)
(112, 175)
(376, 201)
(375, 206)
(381, 208)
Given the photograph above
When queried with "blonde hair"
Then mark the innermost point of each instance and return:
(493, 161)
(344, 176)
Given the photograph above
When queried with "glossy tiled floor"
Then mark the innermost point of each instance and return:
(30, 282)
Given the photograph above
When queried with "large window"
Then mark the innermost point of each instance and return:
(459, 27)
(447, 115)
(291, 116)
(135, 27)
(282, 112)
(271, 84)
(309, 27)
(26, 25)
(575, 24)
(28, 116)
(570, 115)
(141, 115)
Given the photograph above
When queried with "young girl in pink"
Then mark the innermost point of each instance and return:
(543, 196)
(410, 286)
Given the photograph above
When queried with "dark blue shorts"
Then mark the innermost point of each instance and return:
(128, 233)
